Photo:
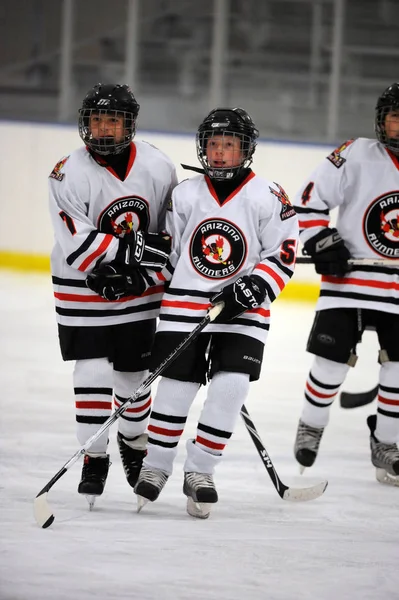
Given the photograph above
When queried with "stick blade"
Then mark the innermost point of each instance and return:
(354, 400)
(305, 494)
(42, 511)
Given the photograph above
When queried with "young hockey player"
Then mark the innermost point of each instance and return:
(108, 202)
(361, 178)
(234, 241)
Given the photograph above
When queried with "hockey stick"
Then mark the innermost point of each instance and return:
(285, 492)
(355, 399)
(353, 262)
(42, 511)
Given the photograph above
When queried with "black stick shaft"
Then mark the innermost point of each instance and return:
(264, 455)
(212, 314)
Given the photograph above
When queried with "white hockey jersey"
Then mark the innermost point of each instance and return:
(361, 178)
(90, 207)
(254, 231)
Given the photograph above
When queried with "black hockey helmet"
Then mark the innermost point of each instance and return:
(227, 122)
(110, 99)
(386, 103)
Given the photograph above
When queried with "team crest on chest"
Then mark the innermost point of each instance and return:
(217, 249)
(381, 225)
(124, 215)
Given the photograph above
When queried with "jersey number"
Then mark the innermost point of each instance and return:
(287, 253)
(68, 222)
(306, 193)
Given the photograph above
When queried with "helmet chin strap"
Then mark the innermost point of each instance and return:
(394, 151)
(107, 146)
(227, 173)
(223, 174)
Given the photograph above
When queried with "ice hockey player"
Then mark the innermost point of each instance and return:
(108, 203)
(234, 241)
(361, 178)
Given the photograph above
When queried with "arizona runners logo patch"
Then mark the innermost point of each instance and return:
(124, 215)
(287, 210)
(217, 249)
(56, 172)
(381, 225)
(335, 157)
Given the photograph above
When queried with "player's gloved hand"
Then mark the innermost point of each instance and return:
(114, 281)
(144, 249)
(245, 293)
(328, 251)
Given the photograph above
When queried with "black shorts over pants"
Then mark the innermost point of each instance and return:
(336, 332)
(128, 346)
(207, 355)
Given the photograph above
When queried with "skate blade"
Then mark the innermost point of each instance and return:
(384, 477)
(91, 501)
(199, 510)
(141, 502)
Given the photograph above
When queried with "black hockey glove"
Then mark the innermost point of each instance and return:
(247, 292)
(329, 253)
(141, 249)
(114, 281)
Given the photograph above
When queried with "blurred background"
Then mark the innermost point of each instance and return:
(306, 70)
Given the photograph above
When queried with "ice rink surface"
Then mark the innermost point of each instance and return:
(254, 546)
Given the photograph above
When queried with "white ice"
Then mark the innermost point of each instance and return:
(254, 546)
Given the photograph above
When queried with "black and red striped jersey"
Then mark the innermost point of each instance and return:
(361, 180)
(90, 208)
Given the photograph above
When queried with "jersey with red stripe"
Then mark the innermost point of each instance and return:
(90, 208)
(361, 180)
(254, 231)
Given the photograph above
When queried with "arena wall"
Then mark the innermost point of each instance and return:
(30, 151)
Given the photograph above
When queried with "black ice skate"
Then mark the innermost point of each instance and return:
(150, 484)
(201, 494)
(132, 454)
(94, 476)
(385, 457)
(307, 443)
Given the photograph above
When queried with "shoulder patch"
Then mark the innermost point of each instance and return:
(56, 172)
(287, 210)
(335, 156)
